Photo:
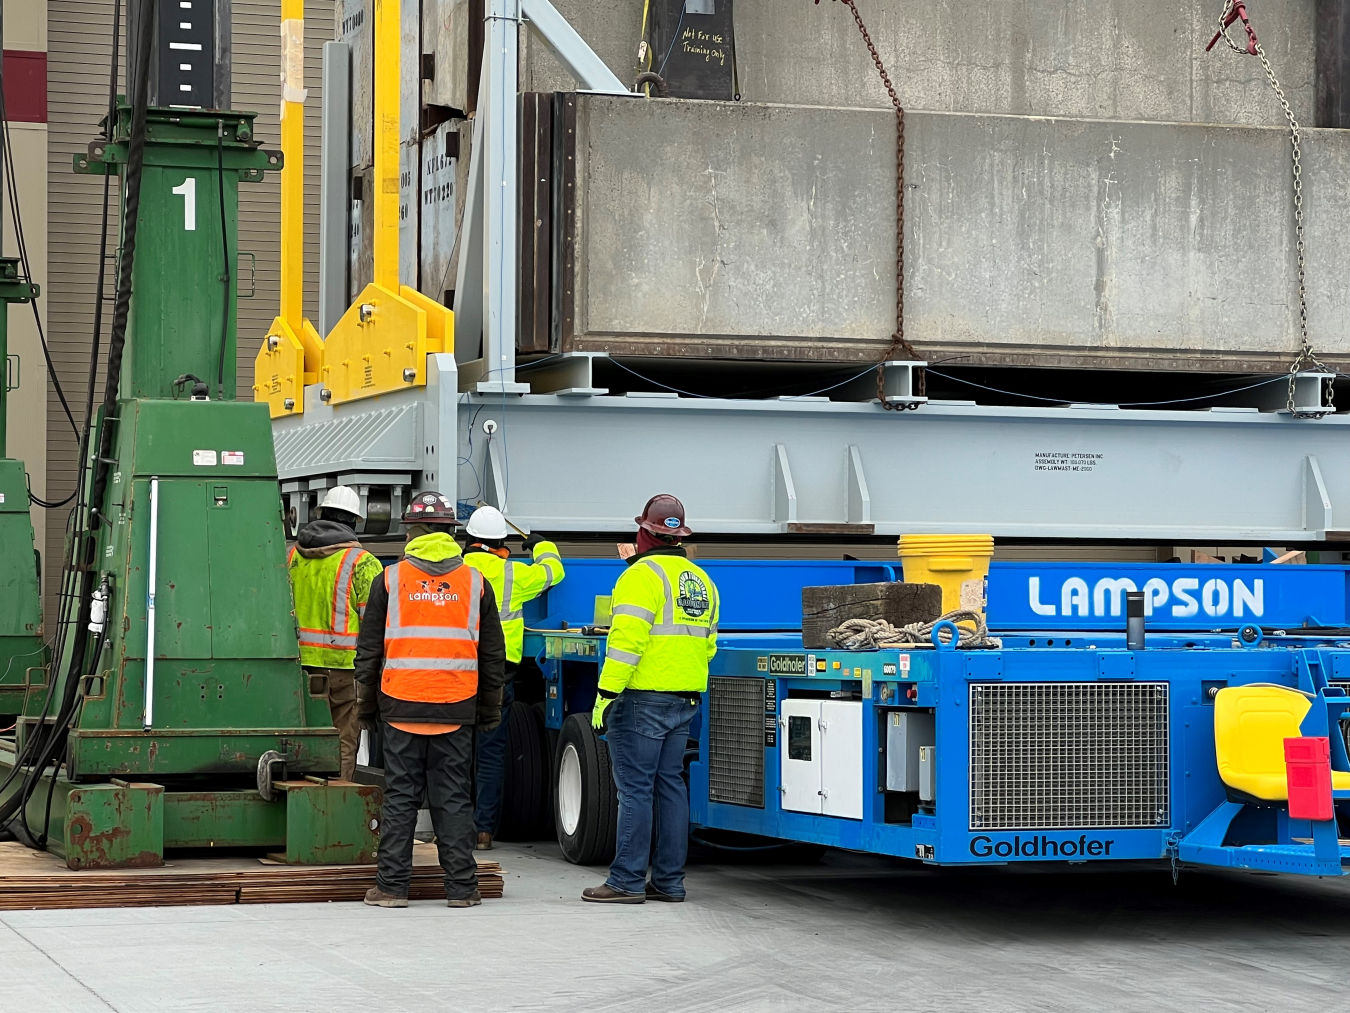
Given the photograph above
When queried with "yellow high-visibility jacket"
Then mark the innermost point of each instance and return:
(664, 630)
(516, 582)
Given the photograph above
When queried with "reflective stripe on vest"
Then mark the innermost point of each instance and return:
(431, 634)
(508, 589)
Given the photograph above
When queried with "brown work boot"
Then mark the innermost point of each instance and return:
(606, 894)
(473, 900)
(654, 894)
(484, 843)
(376, 897)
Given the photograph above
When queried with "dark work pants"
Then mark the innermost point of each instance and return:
(437, 766)
(487, 810)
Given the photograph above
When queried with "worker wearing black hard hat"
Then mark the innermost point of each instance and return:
(431, 663)
(663, 634)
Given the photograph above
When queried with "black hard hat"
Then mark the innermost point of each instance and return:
(664, 515)
(431, 507)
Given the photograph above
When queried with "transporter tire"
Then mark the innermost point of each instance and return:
(549, 744)
(525, 784)
(586, 804)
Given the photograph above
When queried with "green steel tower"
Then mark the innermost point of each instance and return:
(183, 718)
(21, 651)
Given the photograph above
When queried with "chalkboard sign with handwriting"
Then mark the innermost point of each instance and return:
(692, 46)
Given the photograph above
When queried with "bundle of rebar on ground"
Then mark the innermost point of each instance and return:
(32, 880)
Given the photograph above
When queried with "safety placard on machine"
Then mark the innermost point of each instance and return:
(204, 458)
(232, 457)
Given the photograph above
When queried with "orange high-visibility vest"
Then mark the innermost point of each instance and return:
(431, 634)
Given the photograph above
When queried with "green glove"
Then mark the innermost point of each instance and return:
(603, 698)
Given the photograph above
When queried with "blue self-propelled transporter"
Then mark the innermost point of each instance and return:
(1059, 746)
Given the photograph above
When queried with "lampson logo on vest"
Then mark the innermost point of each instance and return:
(1184, 596)
(1040, 847)
(436, 597)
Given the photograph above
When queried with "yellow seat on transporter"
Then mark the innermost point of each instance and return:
(1250, 726)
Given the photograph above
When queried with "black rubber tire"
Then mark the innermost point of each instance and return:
(549, 745)
(525, 781)
(592, 840)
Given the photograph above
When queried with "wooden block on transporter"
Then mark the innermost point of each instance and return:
(824, 608)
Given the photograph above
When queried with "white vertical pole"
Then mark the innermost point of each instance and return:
(501, 58)
(150, 604)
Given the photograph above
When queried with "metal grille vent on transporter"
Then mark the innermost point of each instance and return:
(1068, 756)
(736, 741)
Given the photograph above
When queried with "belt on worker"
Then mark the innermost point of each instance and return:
(689, 696)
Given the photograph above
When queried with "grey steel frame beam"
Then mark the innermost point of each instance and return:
(773, 467)
(334, 185)
(818, 467)
(495, 171)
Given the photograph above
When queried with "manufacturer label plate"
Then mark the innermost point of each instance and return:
(204, 458)
(787, 664)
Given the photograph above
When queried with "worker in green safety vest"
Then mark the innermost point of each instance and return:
(662, 636)
(331, 576)
(514, 582)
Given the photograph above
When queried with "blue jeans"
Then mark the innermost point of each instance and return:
(648, 733)
(491, 770)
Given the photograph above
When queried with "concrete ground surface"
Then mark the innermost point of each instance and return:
(853, 932)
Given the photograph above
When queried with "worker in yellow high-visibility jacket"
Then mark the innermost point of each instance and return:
(663, 634)
(331, 576)
(515, 582)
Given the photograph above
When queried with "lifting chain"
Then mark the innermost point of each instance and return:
(1306, 359)
(898, 340)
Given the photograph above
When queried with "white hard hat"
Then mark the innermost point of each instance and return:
(343, 497)
(487, 522)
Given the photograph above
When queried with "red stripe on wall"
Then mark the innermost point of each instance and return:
(25, 86)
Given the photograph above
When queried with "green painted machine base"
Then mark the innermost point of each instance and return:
(129, 824)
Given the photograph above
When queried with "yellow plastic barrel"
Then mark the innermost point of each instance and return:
(946, 560)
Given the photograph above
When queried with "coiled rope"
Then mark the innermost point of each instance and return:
(871, 634)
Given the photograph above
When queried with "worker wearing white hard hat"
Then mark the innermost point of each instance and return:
(331, 576)
(515, 583)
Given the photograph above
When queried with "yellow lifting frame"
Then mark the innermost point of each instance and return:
(381, 343)
(292, 354)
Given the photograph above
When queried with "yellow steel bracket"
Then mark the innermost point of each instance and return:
(292, 354)
(381, 343)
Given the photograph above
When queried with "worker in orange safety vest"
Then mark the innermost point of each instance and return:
(431, 664)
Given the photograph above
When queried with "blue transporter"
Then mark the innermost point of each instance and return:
(1059, 746)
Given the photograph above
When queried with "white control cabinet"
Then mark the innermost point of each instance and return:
(820, 743)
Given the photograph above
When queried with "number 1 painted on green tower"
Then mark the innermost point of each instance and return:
(188, 191)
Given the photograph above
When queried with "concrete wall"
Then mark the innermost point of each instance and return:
(1029, 240)
(1118, 59)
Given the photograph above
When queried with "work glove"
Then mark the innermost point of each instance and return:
(533, 540)
(603, 698)
(489, 714)
(367, 706)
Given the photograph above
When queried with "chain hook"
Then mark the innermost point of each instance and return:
(1234, 10)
